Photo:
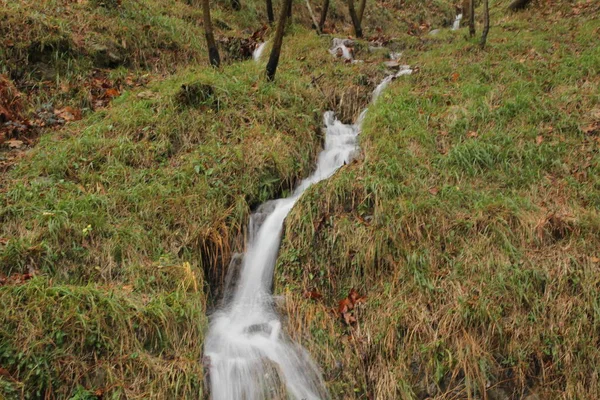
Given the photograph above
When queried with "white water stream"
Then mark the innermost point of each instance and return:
(257, 53)
(249, 356)
(456, 24)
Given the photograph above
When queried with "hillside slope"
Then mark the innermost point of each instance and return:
(470, 224)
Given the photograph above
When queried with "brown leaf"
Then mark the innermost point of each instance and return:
(344, 306)
(312, 294)
(111, 93)
(68, 114)
(539, 139)
(14, 143)
(434, 191)
(472, 134)
(455, 76)
(349, 319)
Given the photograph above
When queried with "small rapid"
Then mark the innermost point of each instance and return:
(257, 53)
(246, 351)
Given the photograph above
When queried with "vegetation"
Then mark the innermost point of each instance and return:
(470, 223)
(469, 220)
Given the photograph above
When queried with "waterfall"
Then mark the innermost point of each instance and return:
(257, 53)
(456, 24)
(248, 355)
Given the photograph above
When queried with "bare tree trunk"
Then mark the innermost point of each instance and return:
(213, 51)
(236, 5)
(278, 41)
(472, 18)
(486, 23)
(270, 14)
(518, 5)
(323, 15)
(355, 21)
(289, 10)
(312, 16)
(361, 10)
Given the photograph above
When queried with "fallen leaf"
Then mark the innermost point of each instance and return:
(68, 114)
(14, 143)
(539, 139)
(455, 76)
(312, 294)
(434, 191)
(349, 318)
(344, 306)
(111, 93)
(595, 260)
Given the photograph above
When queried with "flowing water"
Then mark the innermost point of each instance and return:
(248, 355)
(456, 24)
(257, 53)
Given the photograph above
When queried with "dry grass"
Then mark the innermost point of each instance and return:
(475, 241)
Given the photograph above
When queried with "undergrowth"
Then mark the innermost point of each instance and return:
(470, 223)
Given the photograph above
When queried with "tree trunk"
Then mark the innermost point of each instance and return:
(270, 14)
(213, 51)
(278, 41)
(323, 15)
(312, 16)
(472, 18)
(236, 5)
(361, 10)
(518, 5)
(288, 4)
(486, 23)
(355, 21)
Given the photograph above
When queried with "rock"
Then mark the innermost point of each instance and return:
(392, 65)
(434, 32)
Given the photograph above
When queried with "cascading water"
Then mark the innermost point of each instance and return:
(257, 53)
(248, 355)
(456, 24)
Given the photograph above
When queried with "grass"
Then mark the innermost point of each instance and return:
(470, 222)
(128, 217)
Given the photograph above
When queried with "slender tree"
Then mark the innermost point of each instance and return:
(213, 51)
(361, 10)
(289, 10)
(270, 14)
(355, 20)
(323, 15)
(236, 5)
(486, 23)
(278, 41)
(312, 16)
(472, 18)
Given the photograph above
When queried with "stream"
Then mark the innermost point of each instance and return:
(247, 353)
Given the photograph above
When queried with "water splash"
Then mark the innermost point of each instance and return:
(404, 70)
(248, 355)
(341, 48)
(456, 24)
(257, 53)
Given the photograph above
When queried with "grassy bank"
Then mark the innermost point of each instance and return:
(470, 223)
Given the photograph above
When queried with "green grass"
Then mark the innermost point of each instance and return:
(470, 222)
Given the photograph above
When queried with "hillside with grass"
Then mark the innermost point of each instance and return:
(468, 224)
